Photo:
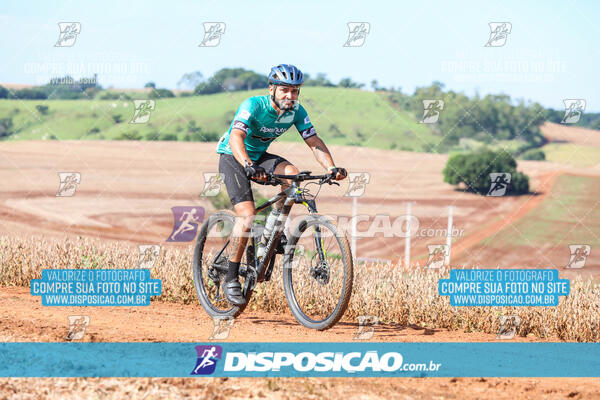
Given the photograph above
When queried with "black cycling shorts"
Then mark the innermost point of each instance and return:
(234, 175)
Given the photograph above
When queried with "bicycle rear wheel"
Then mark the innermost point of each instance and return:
(212, 253)
(318, 273)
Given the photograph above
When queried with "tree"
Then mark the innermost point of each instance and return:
(231, 79)
(473, 170)
(161, 94)
(150, 85)
(190, 80)
(348, 83)
(320, 80)
(533, 154)
(30, 94)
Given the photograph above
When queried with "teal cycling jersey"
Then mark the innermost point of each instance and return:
(261, 123)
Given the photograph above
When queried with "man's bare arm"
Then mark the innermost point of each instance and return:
(320, 151)
(238, 148)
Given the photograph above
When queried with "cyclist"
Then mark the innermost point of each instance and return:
(243, 157)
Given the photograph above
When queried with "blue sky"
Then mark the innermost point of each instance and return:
(549, 55)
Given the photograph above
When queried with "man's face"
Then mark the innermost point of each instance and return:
(285, 96)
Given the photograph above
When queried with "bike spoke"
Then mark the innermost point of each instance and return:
(317, 284)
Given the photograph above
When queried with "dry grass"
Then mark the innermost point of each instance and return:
(392, 293)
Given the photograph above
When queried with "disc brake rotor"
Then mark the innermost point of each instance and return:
(320, 272)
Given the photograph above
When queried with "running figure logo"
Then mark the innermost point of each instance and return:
(68, 33)
(68, 183)
(431, 111)
(357, 183)
(221, 327)
(366, 327)
(508, 326)
(357, 33)
(498, 33)
(212, 184)
(77, 325)
(207, 359)
(573, 110)
(212, 34)
(148, 255)
(500, 181)
(437, 256)
(141, 114)
(579, 254)
(186, 220)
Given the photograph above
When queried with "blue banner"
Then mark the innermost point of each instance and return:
(96, 287)
(299, 359)
(504, 287)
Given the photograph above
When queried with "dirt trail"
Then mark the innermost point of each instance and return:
(23, 318)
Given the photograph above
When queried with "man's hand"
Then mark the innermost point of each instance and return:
(256, 172)
(338, 173)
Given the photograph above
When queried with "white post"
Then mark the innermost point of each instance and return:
(407, 240)
(449, 234)
(354, 206)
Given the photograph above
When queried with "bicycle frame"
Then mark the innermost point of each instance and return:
(292, 195)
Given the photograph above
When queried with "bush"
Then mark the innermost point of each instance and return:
(118, 118)
(152, 136)
(42, 109)
(168, 136)
(4, 94)
(533, 154)
(473, 170)
(6, 127)
(91, 92)
(30, 94)
(519, 183)
(114, 96)
(161, 94)
(202, 137)
(129, 135)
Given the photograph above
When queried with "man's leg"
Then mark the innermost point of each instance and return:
(240, 194)
(244, 219)
(285, 168)
(274, 164)
(244, 212)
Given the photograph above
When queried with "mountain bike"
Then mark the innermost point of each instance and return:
(317, 261)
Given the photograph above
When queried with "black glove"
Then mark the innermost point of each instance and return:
(253, 170)
(342, 171)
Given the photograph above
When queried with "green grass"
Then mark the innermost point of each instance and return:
(341, 116)
(573, 154)
(555, 220)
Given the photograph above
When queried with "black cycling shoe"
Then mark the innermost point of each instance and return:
(233, 293)
(280, 249)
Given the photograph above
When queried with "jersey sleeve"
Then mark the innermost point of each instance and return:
(303, 124)
(244, 115)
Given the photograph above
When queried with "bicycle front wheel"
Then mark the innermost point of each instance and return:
(318, 273)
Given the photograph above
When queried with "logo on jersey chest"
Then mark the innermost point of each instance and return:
(277, 131)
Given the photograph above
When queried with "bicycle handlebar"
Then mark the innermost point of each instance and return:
(275, 179)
